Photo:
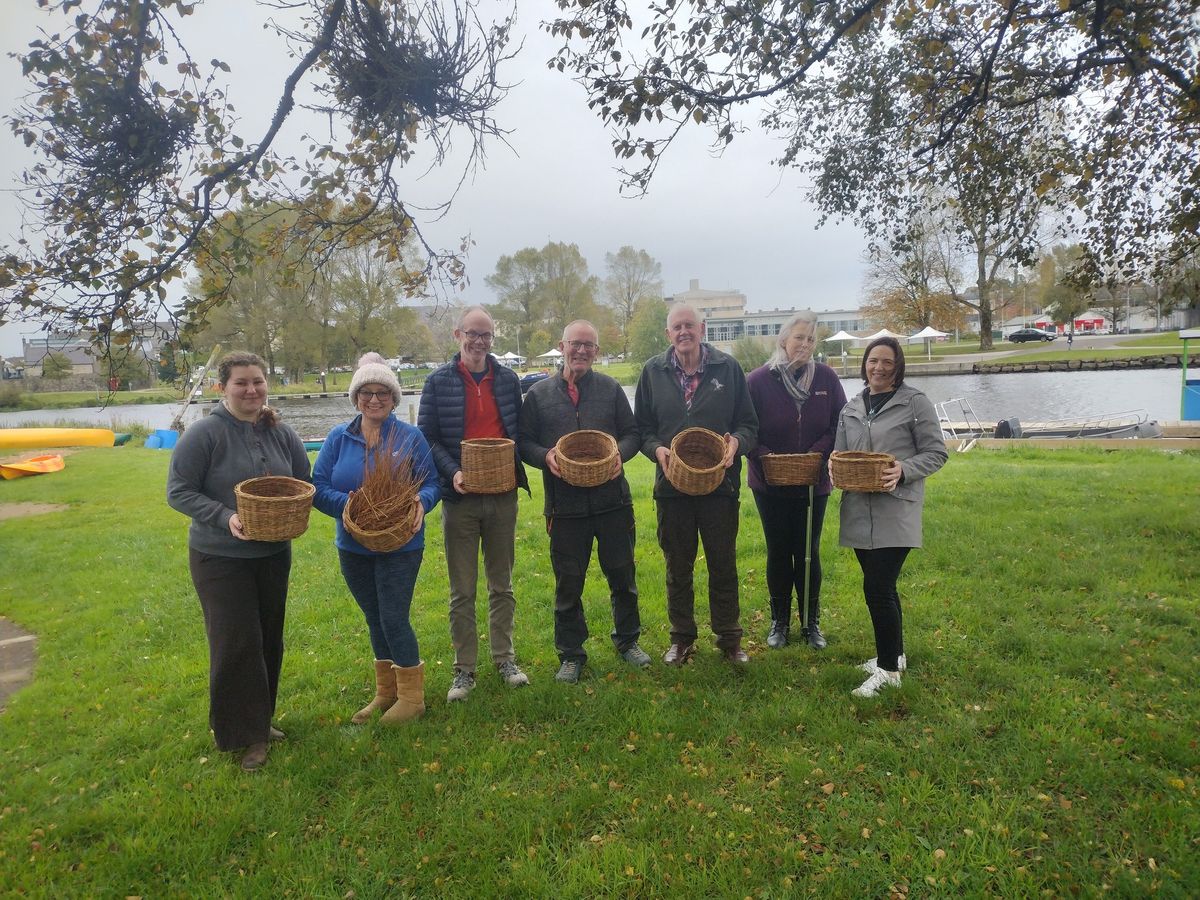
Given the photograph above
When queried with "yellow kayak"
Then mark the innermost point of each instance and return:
(35, 465)
(25, 438)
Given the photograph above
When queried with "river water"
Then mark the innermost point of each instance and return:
(1028, 396)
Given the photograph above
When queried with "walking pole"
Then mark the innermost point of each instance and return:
(807, 560)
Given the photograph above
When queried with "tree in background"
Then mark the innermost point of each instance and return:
(541, 291)
(907, 85)
(648, 331)
(55, 365)
(139, 154)
(569, 290)
(906, 286)
(1060, 296)
(633, 275)
(168, 364)
(1180, 288)
(750, 353)
(519, 283)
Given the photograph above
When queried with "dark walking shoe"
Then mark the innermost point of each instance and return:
(569, 671)
(678, 654)
(736, 655)
(816, 640)
(255, 757)
(778, 638)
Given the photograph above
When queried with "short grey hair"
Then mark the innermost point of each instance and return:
(805, 316)
(689, 307)
(466, 312)
(574, 322)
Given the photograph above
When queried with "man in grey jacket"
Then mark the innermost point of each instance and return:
(574, 399)
(694, 384)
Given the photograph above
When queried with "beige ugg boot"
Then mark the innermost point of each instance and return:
(410, 695)
(385, 692)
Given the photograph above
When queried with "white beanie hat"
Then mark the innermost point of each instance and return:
(374, 373)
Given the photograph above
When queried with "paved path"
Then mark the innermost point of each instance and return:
(18, 653)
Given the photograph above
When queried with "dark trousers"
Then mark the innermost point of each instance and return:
(383, 588)
(243, 602)
(714, 520)
(784, 522)
(881, 569)
(570, 553)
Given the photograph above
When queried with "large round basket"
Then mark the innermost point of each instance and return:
(488, 465)
(273, 507)
(856, 470)
(696, 465)
(585, 458)
(791, 469)
(385, 541)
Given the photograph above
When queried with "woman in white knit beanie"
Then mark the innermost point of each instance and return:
(382, 583)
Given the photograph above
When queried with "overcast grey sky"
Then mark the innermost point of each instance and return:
(732, 221)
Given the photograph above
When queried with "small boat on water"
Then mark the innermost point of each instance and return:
(960, 423)
(35, 465)
(1132, 424)
(28, 438)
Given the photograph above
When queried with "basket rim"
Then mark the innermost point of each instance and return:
(697, 429)
(307, 488)
(606, 438)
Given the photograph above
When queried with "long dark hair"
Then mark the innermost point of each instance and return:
(885, 342)
(230, 361)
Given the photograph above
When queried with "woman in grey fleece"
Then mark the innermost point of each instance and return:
(242, 584)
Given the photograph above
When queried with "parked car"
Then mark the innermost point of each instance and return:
(529, 379)
(1021, 335)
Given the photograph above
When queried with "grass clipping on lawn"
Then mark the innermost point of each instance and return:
(379, 515)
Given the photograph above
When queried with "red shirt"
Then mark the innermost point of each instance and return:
(482, 414)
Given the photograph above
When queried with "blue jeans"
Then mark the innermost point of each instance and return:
(383, 587)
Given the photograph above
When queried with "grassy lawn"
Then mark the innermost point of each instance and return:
(1044, 741)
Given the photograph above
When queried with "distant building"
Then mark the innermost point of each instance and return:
(80, 349)
(727, 320)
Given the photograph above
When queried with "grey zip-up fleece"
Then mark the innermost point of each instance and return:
(212, 456)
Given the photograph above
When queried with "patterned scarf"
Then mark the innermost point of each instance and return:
(797, 382)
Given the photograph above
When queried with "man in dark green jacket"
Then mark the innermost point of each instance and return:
(574, 399)
(695, 385)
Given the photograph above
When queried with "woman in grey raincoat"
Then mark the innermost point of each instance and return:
(889, 416)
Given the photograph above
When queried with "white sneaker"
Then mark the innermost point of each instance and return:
(512, 674)
(873, 663)
(875, 682)
(463, 684)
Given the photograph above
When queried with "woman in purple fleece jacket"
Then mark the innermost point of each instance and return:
(798, 401)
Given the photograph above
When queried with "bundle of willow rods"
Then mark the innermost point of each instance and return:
(388, 492)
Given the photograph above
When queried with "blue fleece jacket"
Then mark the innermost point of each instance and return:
(339, 470)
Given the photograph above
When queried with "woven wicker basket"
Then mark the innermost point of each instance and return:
(788, 469)
(385, 541)
(585, 458)
(855, 470)
(273, 507)
(696, 465)
(488, 465)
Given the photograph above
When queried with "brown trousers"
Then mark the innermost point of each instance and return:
(243, 602)
(684, 522)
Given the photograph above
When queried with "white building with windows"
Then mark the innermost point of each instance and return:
(727, 320)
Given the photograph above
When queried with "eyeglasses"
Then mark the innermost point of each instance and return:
(585, 346)
(481, 337)
(375, 395)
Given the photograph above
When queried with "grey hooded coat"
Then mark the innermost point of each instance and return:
(907, 427)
